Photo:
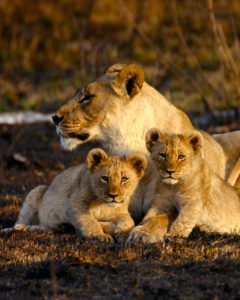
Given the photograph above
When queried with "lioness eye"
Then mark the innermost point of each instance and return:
(105, 179)
(181, 156)
(86, 98)
(124, 179)
(163, 155)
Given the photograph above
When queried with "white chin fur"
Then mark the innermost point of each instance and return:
(170, 181)
(114, 204)
(69, 143)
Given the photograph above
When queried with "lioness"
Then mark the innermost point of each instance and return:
(93, 197)
(230, 143)
(116, 110)
(189, 185)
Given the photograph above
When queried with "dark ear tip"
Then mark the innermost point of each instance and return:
(196, 140)
(96, 157)
(136, 72)
(138, 161)
(153, 134)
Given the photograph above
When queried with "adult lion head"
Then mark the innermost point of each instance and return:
(93, 108)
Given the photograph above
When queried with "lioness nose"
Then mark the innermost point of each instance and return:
(112, 195)
(56, 119)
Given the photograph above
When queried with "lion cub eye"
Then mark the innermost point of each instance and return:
(105, 179)
(124, 179)
(181, 157)
(162, 155)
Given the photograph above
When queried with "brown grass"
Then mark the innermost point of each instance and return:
(189, 50)
(40, 265)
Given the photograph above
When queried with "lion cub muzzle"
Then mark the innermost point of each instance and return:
(168, 177)
(113, 200)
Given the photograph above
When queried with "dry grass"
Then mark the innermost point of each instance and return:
(40, 265)
(190, 50)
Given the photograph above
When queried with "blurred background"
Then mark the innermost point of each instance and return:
(189, 49)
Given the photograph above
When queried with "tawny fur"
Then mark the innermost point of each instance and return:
(230, 143)
(187, 184)
(117, 109)
(93, 197)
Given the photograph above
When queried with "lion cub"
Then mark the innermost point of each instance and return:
(188, 185)
(93, 197)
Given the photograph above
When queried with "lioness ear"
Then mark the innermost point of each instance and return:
(138, 162)
(129, 81)
(196, 140)
(115, 68)
(96, 158)
(152, 137)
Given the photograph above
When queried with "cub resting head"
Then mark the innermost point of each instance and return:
(93, 197)
(188, 185)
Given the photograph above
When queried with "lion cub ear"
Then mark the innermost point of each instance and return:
(138, 162)
(196, 140)
(96, 158)
(152, 137)
(129, 81)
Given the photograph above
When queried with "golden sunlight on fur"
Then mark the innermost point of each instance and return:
(116, 110)
(230, 143)
(189, 186)
(93, 197)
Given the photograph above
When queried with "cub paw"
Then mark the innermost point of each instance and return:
(121, 236)
(184, 233)
(139, 235)
(105, 238)
(21, 227)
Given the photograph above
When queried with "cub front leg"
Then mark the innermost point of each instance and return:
(108, 227)
(124, 224)
(185, 222)
(90, 227)
(153, 230)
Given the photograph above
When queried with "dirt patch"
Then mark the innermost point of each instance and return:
(38, 265)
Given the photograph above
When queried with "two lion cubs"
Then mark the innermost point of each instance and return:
(94, 197)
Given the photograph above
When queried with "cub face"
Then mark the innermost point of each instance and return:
(173, 155)
(115, 179)
(79, 120)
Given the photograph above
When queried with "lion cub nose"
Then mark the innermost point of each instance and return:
(57, 119)
(113, 196)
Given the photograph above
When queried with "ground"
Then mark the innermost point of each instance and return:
(38, 265)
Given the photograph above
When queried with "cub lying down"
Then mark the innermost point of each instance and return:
(93, 197)
(187, 184)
